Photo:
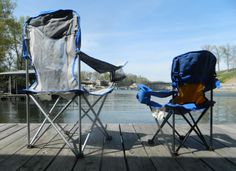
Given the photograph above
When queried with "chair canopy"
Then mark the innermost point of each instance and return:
(194, 67)
(52, 42)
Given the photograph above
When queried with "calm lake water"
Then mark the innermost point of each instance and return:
(121, 107)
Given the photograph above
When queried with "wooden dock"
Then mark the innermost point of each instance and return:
(128, 150)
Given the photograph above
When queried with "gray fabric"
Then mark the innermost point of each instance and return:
(51, 45)
(116, 72)
(53, 58)
(54, 25)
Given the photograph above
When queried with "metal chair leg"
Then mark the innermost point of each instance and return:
(54, 126)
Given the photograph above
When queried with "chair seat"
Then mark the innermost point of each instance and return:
(77, 91)
(185, 108)
(155, 105)
(101, 92)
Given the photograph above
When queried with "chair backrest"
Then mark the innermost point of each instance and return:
(192, 74)
(194, 67)
(51, 41)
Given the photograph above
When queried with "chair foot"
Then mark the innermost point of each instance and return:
(30, 146)
(181, 138)
(150, 142)
(80, 155)
(210, 148)
(175, 154)
(109, 138)
(67, 132)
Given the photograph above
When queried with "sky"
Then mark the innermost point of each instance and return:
(146, 33)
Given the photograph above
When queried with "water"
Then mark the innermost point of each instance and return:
(121, 107)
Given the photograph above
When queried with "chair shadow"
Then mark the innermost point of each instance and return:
(131, 139)
(194, 142)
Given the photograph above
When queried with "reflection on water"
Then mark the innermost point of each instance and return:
(121, 107)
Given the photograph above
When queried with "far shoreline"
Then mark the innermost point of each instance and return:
(230, 87)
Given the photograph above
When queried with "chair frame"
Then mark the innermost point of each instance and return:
(193, 127)
(185, 69)
(96, 121)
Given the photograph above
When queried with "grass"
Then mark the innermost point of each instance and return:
(225, 75)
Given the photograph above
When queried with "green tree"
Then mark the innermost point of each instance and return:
(6, 20)
(15, 48)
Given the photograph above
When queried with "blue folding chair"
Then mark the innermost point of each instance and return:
(193, 74)
(51, 42)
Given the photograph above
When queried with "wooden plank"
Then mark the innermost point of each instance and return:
(226, 130)
(223, 144)
(136, 155)
(11, 131)
(52, 155)
(160, 156)
(214, 160)
(23, 154)
(65, 155)
(6, 126)
(92, 153)
(113, 156)
(13, 147)
(44, 157)
(2, 124)
(228, 127)
(16, 136)
(186, 159)
(224, 136)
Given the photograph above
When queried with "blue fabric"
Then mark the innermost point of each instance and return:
(155, 105)
(144, 95)
(182, 109)
(188, 107)
(73, 68)
(25, 54)
(217, 84)
(162, 93)
(194, 67)
(78, 36)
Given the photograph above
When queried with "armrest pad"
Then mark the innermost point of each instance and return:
(162, 93)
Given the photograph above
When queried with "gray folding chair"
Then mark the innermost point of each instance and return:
(51, 42)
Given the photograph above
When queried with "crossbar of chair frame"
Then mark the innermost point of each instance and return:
(189, 132)
(34, 139)
(52, 123)
(96, 115)
(160, 126)
(78, 153)
(192, 127)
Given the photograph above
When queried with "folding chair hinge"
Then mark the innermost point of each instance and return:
(80, 155)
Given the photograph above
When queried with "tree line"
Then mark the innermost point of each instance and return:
(129, 80)
(225, 54)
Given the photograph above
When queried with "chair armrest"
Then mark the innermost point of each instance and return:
(162, 93)
(144, 94)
